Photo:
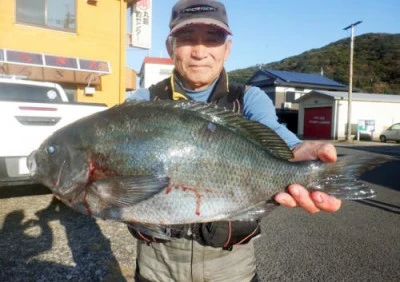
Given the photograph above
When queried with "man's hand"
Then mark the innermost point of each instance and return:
(297, 195)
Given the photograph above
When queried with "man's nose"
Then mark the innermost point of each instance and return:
(199, 50)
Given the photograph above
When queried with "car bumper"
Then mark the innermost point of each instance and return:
(13, 171)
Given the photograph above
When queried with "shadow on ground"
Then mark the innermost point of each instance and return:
(25, 248)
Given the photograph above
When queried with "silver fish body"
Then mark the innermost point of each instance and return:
(166, 163)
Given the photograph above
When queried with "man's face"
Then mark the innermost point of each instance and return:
(199, 52)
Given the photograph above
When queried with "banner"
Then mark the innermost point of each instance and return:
(141, 24)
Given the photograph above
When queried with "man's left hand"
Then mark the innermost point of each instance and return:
(297, 195)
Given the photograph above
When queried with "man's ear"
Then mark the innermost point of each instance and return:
(168, 44)
(228, 48)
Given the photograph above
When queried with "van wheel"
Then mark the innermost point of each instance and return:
(382, 138)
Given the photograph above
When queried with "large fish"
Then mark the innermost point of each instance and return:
(167, 163)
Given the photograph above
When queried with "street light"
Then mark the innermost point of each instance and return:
(348, 135)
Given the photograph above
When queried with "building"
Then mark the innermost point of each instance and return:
(323, 114)
(155, 69)
(78, 44)
(285, 87)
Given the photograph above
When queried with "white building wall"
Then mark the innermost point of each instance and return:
(383, 113)
(154, 73)
(286, 95)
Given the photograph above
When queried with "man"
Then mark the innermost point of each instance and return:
(198, 43)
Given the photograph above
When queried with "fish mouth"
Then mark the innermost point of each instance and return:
(73, 190)
(60, 174)
(71, 193)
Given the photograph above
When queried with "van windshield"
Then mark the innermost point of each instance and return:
(29, 93)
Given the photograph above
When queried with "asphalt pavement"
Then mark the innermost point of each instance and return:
(360, 242)
(42, 240)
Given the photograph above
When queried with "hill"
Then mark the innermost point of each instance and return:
(376, 64)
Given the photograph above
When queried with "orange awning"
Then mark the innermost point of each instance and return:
(46, 67)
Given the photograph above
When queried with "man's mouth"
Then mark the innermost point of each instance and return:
(199, 66)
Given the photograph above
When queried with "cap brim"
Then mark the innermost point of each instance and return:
(207, 21)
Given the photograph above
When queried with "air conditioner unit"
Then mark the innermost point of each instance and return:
(287, 105)
(89, 91)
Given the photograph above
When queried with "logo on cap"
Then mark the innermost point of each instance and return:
(198, 9)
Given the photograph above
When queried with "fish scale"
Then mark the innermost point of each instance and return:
(168, 163)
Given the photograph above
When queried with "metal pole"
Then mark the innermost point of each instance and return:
(348, 135)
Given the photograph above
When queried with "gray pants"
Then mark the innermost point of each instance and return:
(188, 261)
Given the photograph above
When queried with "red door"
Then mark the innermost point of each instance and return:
(318, 123)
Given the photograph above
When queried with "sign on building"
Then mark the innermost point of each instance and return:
(366, 125)
(141, 24)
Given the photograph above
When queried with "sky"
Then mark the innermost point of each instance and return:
(266, 31)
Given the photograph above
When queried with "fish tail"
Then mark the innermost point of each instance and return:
(341, 179)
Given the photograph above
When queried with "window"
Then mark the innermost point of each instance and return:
(165, 71)
(54, 14)
(29, 93)
(292, 96)
(395, 126)
(70, 91)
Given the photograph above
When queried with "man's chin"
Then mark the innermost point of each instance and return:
(200, 82)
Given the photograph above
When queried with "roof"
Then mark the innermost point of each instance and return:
(295, 79)
(307, 78)
(371, 97)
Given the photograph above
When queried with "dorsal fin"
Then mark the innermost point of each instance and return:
(255, 132)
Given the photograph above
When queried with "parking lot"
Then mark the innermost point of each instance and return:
(42, 240)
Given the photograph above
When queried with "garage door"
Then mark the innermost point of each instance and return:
(318, 123)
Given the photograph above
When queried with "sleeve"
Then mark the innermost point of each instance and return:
(258, 106)
(139, 94)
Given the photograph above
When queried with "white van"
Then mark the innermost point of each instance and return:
(30, 111)
(391, 134)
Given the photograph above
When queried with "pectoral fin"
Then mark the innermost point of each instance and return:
(128, 190)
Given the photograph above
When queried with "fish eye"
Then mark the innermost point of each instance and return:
(51, 149)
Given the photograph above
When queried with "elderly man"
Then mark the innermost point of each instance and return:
(199, 44)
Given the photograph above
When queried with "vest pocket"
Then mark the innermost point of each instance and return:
(225, 234)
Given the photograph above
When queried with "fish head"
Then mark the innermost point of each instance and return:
(61, 164)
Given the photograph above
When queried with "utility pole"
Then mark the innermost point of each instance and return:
(348, 135)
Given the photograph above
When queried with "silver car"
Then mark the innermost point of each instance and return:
(391, 134)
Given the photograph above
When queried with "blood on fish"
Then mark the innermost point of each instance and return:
(85, 202)
(184, 188)
(98, 171)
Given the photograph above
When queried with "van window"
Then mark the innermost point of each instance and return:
(29, 93)
(395, 126)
